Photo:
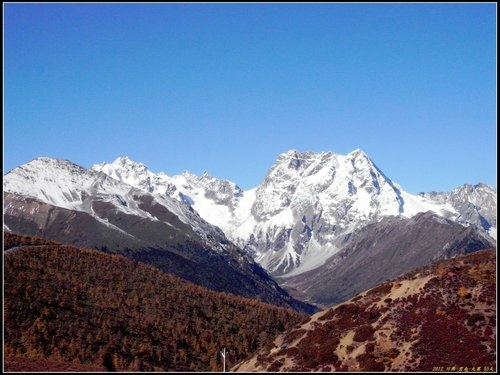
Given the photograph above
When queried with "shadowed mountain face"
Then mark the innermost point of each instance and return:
(382, 251)
(58, 200)
(432, 319)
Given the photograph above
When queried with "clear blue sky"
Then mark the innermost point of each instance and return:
(225, 88)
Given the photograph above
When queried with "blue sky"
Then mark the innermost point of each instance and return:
(225, 88)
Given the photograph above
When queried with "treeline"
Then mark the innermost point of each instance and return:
(69, 304)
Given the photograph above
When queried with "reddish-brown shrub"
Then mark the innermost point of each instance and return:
(363, 333)
(328, 315)
(370, 347)
(293, 335)
(472, 319)
(368, 362)
(275, 366)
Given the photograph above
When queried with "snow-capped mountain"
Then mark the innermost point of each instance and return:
(64, 184)
(475, 204)
(306, 208)
(61, 201)
(310, 202)
(220, 202)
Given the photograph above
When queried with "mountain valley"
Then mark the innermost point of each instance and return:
(303, 221)
(118, 268)
(382, 251)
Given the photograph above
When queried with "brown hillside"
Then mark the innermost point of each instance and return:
(11, 240)
(24, 364)
(440, 317)
(70, 305)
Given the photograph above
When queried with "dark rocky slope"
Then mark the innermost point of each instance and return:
(382, 251)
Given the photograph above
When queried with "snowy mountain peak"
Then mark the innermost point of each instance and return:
(189, 176)
(358, 158)
(358, 153)
(472, 191)
(40, 163)
(294, 159)
(307, 205)
(212, 198)
(126, 161)
(316, 172)
(288, 154)
(309, 199)
(126, 170)
(49, 180)
(44, 169)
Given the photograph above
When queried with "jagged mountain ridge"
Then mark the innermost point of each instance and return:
(475, 204)
(215, 199)
(59, 200)
(307, 206)
(64, 184)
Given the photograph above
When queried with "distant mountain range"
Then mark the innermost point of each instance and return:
(440, 317)
(307, 205)
(382, 251)
(324, 225)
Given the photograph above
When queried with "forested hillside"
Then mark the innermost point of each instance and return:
(69, 304)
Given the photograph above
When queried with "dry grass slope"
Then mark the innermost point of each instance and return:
(439, 316)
